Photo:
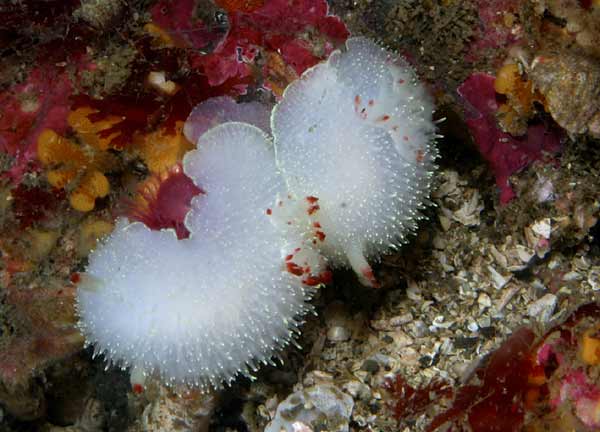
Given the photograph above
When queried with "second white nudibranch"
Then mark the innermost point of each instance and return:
(356, 133)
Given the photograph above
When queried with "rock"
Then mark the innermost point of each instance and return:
(542, 308)
(484, 300)
(371, 366)
(357, 390)
(322, 406)
(170, 412)
(338, 334)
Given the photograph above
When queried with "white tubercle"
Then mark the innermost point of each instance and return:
(204, 309)
(356, 133)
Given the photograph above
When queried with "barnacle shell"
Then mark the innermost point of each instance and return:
(570, 84)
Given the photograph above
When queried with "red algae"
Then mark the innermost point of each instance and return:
(505, 154)
(409, 400)
(164, 200)
(494, 34)
(501, 393)
(34, 204)
(240, 5)
(275, 27)
(176, 17)
(522, 376)
(39, 103)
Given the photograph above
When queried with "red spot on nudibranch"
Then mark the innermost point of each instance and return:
(363, 111)
(75, 278)
(369, 276)
(401, 81)
(320, 235)
(269, 212)
(384, 118)
(371, 102)
(322, 278)
(294, 269)
(317, 225)
(313, 204)
(289, 257)
(138, 389)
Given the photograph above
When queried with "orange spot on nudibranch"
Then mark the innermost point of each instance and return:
(420, 155)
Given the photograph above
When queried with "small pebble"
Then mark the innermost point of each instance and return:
(543, 308)
(370, 366)
(338, 334)
(484, 300)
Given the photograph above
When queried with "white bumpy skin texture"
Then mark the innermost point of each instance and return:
(356, 133)
(202, 310)
(346, 181)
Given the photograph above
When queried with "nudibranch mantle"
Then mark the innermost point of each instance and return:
(357, 133)
(202, 310)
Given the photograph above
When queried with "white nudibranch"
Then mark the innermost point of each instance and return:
(201, 310)
(345, 180)
(356, 132)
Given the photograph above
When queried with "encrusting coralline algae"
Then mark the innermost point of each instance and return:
(343, 180)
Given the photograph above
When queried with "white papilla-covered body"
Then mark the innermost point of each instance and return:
(357, 132)
(353, 141)
(203, 309)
